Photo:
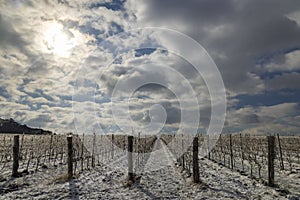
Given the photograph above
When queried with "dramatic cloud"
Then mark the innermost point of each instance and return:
(254, 44)
(61, 61)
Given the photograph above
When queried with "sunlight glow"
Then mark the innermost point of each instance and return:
(58, 39)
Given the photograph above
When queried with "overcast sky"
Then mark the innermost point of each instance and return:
(61, 62)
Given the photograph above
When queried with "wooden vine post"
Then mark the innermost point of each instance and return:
(196, 178)
(50, 147)
(70, 157)
(15, 156)
(112, 146)
(271, 157)
(231, 152)
(182, 150)
(242, 150)
(93, 150)
(82, 151)
(280, 153)
(130, 162)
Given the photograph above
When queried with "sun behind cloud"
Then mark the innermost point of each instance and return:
(58, 40)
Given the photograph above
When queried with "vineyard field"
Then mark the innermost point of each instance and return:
(100, 164)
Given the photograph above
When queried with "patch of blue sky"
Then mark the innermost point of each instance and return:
(144, 51)
(118, 60)
(4, 93)
(88, 29)
(37, 93)
(100, 35)
(63, 103)
(99, 99)
(104, 40)
(268, 98)
(41, 93)
(34, 106)
(112, 5)
(143, 97)
(148, 45)
(115, 28)
(65, 97)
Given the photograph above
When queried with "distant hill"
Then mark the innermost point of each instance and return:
(11, 126)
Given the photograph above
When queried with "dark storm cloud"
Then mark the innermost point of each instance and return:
(235, 33)
(207, 11)
(251, 41)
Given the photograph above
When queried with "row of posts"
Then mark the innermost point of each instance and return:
(129, 156)
(196, 178)
(16, 154)
(271, 158)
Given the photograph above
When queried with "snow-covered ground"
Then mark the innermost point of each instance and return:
(167, 182)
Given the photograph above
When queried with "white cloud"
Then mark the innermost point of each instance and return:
(280, 118)
(295, 16)
(279, 111)
(36, 78)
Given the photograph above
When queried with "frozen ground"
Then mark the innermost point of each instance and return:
(167, 182)
(287, 179)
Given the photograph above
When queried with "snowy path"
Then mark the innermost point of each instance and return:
(165, 181)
